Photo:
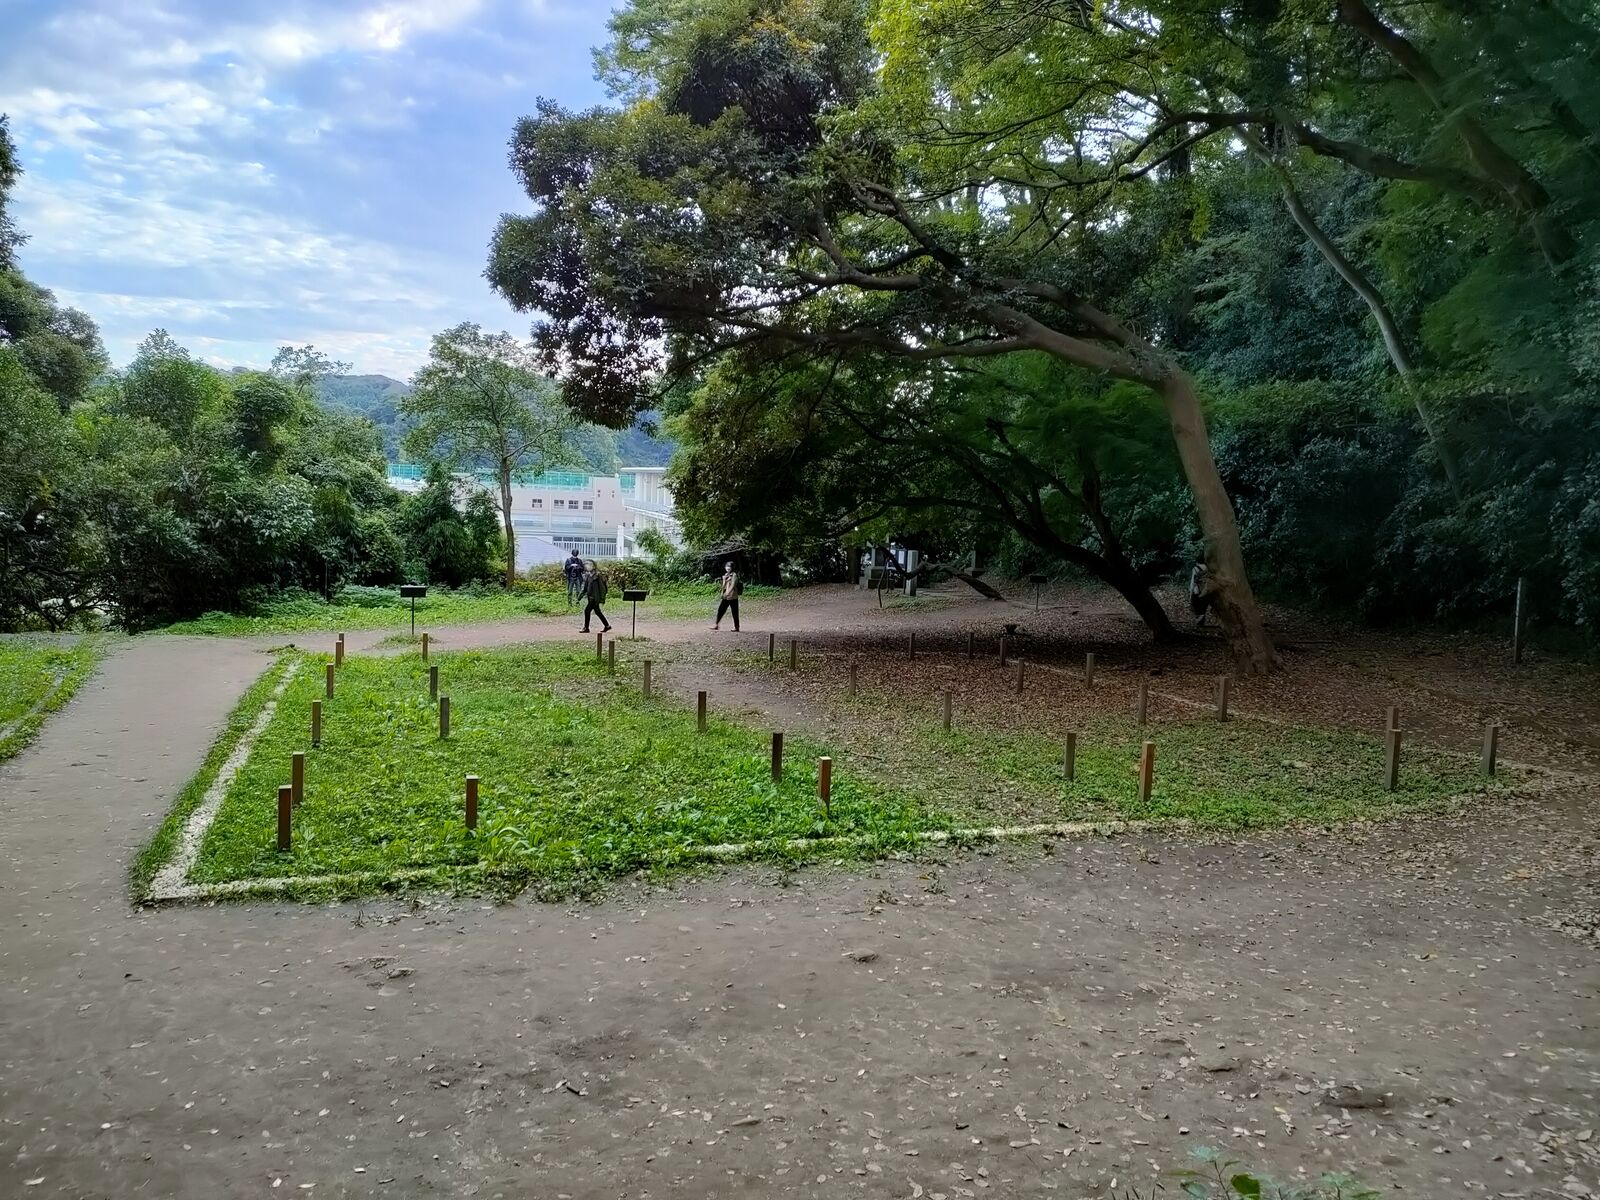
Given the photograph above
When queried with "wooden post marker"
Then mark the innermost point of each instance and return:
(970, 640)
(338, 652)
(1391, 758)
(647, 665)
(794, 654)
(1491, 746)
(285, 816)
(1069, 756)
(472, 801)
(772, 647)
(1088, 670)
(433, 683)
(1223, 684)
(1142, 706)
(424, 647)
(911, 646)
(611, 656)
(330, 681)
(316, 723)
(297, 777)
(1002, 651)
(1517, 619)
(825, 785)
(1147, 771)
(1392, 721)
(700, 713)
(777, 755)
(444, 716)
(853, 666)
(947, 710)
(599, 646)
(1021, 668)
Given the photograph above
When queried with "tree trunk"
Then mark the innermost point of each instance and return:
(1232, 600)
(505, 516)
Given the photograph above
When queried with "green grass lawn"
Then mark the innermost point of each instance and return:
(381, 608)
(37, 676)
(582, 778)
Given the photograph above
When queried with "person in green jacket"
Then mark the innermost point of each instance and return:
(594, 591)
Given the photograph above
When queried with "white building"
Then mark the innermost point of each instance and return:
(557, 512)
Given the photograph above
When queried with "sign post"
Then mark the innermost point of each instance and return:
(635, 595)
(411, 591)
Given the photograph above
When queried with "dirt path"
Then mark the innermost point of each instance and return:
(1023, 1024)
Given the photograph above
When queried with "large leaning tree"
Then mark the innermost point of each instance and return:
(481, 402)
(760, 188)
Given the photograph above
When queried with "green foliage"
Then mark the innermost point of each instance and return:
(449, 545)
(36, 678)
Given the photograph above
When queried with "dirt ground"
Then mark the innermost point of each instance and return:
(1064, 1020)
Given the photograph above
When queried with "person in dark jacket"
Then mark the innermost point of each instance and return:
(732, 588)
(594, 591)
(573, 569)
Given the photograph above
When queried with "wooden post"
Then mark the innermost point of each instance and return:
(1491, 746)
(794, 654)
(777, 755)
(297, 777)
(472, 801)
(1142, 706)
(647, 677)
(700, 713)
(424, 647)
(330, 681)
(1147, 771)
(338, 652)
(433, 683)
(1516, 625)
(1223, 683)
(853, 665)
(285, 815)
(1069, 756)
(772, 647)
(1021, 667)
(1393, 719)
(611, 656)
(1088, 670)
(599, 646)
(1002, 651)
(444, 716)
(947, 710)
(825, 785)
(316, 723)
(970, 640)
(1391, 758)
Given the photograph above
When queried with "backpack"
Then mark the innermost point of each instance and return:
(738, 588)
(599, 589)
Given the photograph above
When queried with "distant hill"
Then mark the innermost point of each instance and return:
(377, 397)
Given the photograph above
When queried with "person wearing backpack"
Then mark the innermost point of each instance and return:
(732, 589)
(594, 591)
(573, 570)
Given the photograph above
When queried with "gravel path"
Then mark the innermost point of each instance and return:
(1017, 1024)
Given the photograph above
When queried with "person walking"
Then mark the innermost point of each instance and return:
(573, 569)
(732, 589)
(594, 592)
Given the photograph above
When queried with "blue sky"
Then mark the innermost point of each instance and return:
(248, 174)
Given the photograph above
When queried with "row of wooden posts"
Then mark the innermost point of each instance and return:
(291, 795)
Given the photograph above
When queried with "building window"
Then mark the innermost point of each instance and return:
(588, 504)
(536, 503)
(560, 503)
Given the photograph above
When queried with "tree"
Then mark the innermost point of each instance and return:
(758, 194)
(480, 400)
(10, 169)
(945, 458)
(450, 545)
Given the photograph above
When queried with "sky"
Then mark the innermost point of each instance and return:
(248, 174)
